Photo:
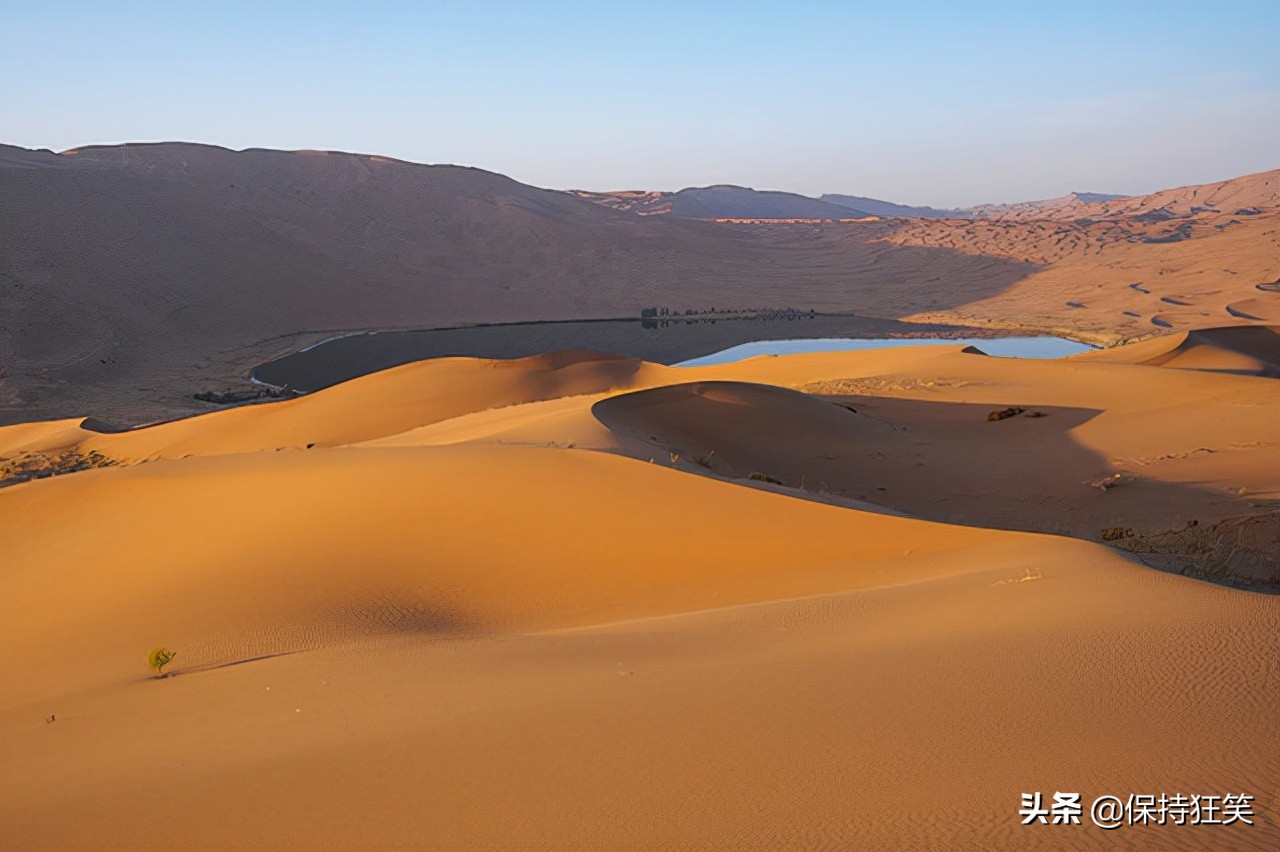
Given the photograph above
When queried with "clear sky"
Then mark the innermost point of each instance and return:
(941, 103)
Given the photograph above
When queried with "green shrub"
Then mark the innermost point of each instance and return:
(159, 658)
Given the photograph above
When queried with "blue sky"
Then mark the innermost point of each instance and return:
(937, 103)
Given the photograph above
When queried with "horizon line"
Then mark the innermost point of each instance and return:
(72, 150)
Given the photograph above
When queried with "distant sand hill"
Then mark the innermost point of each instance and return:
(876, 207)
(137, 275)
(724, 202)
(1245, 196)
(1131, 267)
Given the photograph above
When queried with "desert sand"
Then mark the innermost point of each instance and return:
(582, 601)
(1195, 257)
(849, 600)
(136, 276)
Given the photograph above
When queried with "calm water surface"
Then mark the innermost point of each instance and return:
(1007, 347)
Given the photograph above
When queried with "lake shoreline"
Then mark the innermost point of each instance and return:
(666, 339)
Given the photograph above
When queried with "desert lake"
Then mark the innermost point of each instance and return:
(675, 341)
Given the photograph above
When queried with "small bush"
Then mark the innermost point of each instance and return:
(159, 658)
(763, 477)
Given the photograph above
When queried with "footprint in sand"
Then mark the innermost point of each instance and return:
(1172, 301)
(1161, 321)
(1137, 285)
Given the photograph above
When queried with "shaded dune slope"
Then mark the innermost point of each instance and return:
(932, 458)
(725, 424)
(137, 275)
(1249, 350)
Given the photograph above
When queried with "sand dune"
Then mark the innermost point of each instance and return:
(858, 720)
(542, 603)
(1191, 437)
(435, 565)
(372, 406)
(876, 207)
(910, 441)
(1251, 351)
(839, 600)
(143, 274)
(1249, 195)
(1071, 205)
(1128, 268)
(723, 202)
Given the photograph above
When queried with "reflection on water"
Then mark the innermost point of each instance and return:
(1008, 347)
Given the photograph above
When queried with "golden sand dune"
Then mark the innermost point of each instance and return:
(435, 563)
(1251, 351)
(417, 397)
(903, 717)
(543, 603)
(1248, 195)
(928, 448)
(1129, 268)
(372, 406)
